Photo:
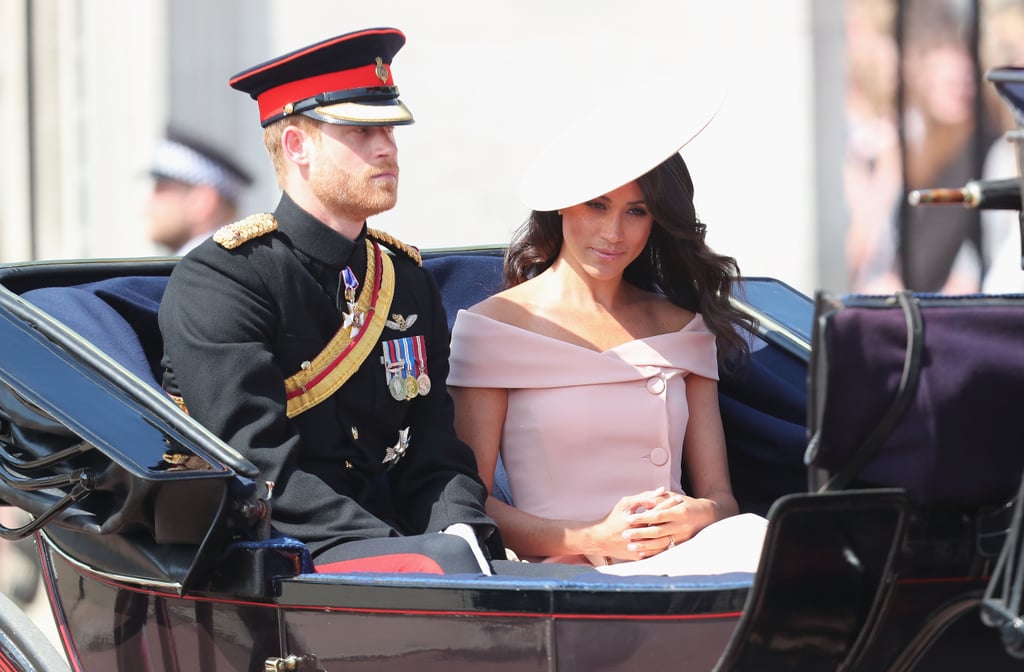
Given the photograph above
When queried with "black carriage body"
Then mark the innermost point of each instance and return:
(162, 562)
(419, 623)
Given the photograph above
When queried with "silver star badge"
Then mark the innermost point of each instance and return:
(396, 452)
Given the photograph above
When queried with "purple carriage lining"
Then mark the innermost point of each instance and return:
(960, 441)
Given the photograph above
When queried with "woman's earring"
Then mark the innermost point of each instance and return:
(559, 212)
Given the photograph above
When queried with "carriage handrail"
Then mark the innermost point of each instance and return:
(82, 484)
(56, 457)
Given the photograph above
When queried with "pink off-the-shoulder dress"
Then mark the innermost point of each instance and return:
(584, 428)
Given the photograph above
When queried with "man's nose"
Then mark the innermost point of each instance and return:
(384, 142)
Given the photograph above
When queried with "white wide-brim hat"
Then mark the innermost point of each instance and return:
(615, 142)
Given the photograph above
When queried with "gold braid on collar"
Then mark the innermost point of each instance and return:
(395, 244)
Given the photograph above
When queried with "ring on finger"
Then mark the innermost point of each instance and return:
(671, 541)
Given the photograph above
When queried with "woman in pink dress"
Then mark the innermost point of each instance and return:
(594, 375)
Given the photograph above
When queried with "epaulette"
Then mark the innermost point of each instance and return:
(231, 236)
(395, 244)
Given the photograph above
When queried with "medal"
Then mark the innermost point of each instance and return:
(412, 388)
(419, 346)
(354, 318)
(408, 370)
(393, 371)
(397, 387)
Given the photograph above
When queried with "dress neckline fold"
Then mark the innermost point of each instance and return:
(696, 325)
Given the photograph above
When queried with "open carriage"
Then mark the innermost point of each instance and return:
(877, 433)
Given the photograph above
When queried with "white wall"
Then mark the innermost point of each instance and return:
(488, 83)
(81, 127)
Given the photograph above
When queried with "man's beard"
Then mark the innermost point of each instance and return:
(355, 196)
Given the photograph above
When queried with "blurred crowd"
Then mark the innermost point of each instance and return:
(920, 114)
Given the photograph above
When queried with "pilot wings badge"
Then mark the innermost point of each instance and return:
(400, 323)
(396, 452)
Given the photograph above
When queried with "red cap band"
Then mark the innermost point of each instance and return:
(272, 101)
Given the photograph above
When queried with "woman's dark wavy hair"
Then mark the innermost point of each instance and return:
(676, 261)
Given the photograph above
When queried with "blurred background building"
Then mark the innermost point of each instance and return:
(835, 109)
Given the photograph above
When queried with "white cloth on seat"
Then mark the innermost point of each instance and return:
(730, 545)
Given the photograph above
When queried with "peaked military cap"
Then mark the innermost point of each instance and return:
(342, 80)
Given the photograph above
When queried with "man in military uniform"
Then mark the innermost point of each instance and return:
(320, 355)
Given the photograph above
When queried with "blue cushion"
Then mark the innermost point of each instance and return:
(117, 315)
(465, 280)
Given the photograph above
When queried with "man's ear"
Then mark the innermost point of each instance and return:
(295, 145)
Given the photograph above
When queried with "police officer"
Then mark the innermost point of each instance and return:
(318, 347)
(196, 187)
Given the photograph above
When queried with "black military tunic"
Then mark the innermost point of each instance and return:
(237, 322)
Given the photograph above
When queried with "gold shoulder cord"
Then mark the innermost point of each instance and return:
(231, 236)
(344, 354)
(395, 244)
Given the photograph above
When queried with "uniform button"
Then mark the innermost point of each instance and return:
(305, 365)
(348, 465)
(659, 456)
(656, 385)
(355, 433)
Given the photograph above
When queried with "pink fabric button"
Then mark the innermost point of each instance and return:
(656, 385)
(659, 457)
